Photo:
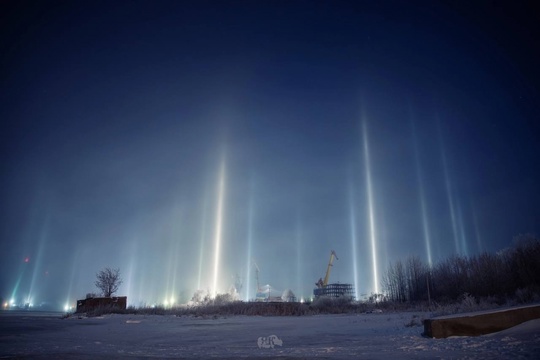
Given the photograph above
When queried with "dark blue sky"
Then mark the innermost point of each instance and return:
(117, 116)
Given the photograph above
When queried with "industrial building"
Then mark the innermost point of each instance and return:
(332, 290)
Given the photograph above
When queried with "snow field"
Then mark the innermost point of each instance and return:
(373, 336)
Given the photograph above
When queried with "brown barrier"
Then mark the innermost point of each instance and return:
(480, 323)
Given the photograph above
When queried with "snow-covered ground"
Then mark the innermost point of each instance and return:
(369, 336)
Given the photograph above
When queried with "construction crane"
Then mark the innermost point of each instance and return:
(321, 284)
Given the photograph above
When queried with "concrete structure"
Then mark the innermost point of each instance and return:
(90, 304)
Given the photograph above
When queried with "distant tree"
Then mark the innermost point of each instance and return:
(108, 281)
(416, 279)
(512, 272)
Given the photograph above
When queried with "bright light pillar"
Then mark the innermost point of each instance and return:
(299, 287)
(352, 214)
(449, 192)
(250, 240)
(423, 207)
(201, 244)
(462, 235)
(370, 209)
(219, 222)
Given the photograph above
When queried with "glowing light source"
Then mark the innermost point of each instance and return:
(250, 240)
(370, 209)
(352, 214)
(299, 265)
(219, 222)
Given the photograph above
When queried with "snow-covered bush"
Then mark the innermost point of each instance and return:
(468, 302)
(525, 295)
(222, 299)
(200, 297)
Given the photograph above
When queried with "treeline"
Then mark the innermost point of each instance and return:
(512, 273)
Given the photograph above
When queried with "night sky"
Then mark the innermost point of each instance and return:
(378, 129)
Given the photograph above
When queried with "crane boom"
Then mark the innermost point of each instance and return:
(332, 256)
(321, 283)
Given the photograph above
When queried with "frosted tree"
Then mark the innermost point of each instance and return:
(108, 281)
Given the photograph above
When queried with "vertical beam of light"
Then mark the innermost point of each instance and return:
(74, 267)
(298, 235)
(178, 216)
(202, 241)
(249, 241)
(449, 194)
(22, 271)
(352, 214)
(132, 298)
(422, 196)
(165, 291)
(370, 208)
(169, 269)
(461, 227)
(219, 222)
(37, 271)
(177, 253)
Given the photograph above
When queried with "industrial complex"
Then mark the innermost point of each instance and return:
(332, 290)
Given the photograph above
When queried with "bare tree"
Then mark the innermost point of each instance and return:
(395, 282)
(108, 281)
